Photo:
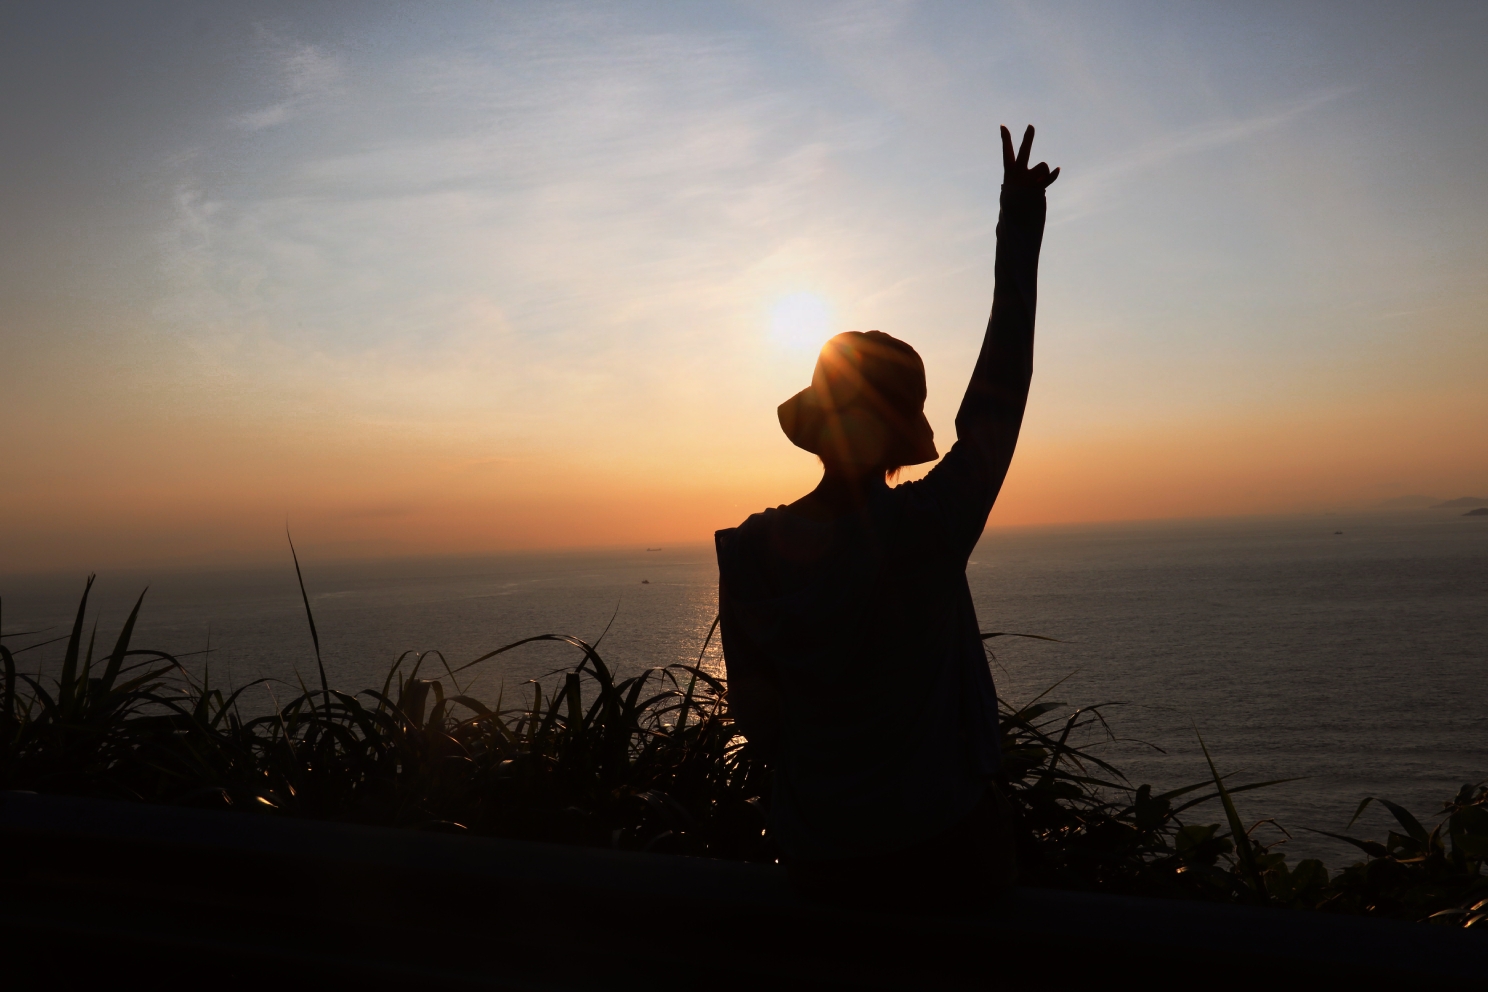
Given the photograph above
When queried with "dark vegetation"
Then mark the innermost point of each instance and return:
(652, 762)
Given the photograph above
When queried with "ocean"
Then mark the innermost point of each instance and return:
(1350, 650)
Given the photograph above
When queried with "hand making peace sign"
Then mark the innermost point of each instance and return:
(1015, 171)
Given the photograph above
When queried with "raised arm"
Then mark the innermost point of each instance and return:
(969, 477)
(992, 412)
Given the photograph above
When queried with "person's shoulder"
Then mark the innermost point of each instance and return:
(754, 521)
(905, 494)
(910, 507)
(754, 524)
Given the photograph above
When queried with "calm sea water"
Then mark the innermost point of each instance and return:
(1358, 660)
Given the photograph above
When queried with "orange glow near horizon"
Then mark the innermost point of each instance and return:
(437, 504)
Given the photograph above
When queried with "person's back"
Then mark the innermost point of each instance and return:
(854, 659)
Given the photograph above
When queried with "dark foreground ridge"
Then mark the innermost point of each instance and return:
(247, 899)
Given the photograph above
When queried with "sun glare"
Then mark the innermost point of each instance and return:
(801, 322)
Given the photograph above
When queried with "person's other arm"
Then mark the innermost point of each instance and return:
(991, 415)
(754, 703)
(753, 698)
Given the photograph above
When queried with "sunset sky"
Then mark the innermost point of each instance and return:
(460, 278)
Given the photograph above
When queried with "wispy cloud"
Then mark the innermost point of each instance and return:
(528, 221)
(1083, 190)
(302, 73)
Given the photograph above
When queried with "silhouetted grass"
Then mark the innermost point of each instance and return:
(652, 762)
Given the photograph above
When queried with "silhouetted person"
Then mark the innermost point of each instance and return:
(855, 662)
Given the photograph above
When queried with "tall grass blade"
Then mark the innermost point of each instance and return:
(987, 636)
(314, 637)
(692, 682)
(1412, 826)
(121, 646)
(68, 681)
(1237, 829)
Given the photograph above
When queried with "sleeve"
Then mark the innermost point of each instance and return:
(959, 492)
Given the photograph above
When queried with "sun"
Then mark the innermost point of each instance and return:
(801, 321)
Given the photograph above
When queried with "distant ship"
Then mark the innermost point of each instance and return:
(645, 582)
(653, 549)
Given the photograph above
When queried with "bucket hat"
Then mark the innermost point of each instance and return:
(865, 405)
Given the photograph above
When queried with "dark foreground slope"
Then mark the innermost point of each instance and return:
(189, 897)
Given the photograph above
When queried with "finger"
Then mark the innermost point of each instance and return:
(1007, 150)
(1027, 147)
(1052, 176)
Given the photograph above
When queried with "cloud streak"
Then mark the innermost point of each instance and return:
(531, 223)
(1092, 188)
(303, 73)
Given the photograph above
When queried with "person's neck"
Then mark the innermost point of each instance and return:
(842, 490)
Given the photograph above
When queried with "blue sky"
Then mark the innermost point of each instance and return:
(473, 276)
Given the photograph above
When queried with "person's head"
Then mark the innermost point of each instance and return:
(864, 411)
